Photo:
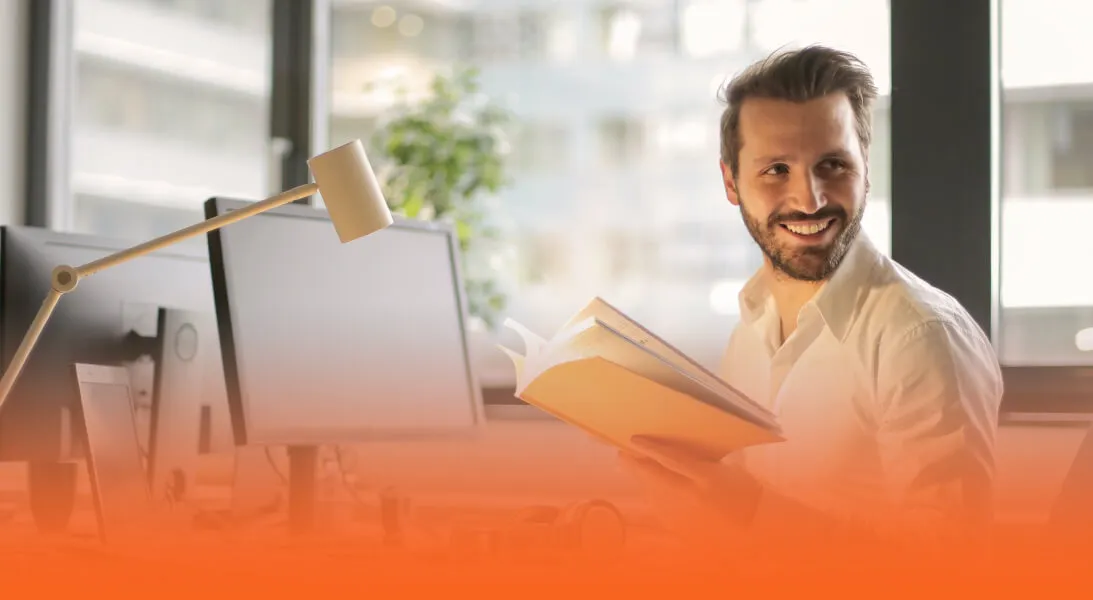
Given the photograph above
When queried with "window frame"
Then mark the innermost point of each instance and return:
(957, 246)
(300, 92)
(51, 77)
(299, 109)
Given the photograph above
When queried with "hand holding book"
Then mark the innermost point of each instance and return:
(692, 494)
(605, 373)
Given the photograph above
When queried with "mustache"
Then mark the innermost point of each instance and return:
(823, 214)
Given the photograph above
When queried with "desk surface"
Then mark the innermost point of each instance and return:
(264, 559)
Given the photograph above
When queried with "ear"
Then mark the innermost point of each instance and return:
(730, 184)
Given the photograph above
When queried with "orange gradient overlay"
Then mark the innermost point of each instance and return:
(524, 508)
(274, 568)
(477, 539)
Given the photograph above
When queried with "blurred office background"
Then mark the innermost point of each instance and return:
(615, 189)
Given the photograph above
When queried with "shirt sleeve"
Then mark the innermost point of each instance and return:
(939, 391)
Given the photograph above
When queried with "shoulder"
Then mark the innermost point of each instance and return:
(903, 308)
(921, 337)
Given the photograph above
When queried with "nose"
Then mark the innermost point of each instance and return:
(807, 194)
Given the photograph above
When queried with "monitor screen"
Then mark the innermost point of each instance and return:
(325, 342)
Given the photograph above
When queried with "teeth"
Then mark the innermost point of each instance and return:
(810, 229)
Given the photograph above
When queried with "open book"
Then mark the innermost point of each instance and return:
(605, 373)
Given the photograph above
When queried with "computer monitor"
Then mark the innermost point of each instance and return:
(189, 407)
(92, 324)
(329, 343)
(324, 342)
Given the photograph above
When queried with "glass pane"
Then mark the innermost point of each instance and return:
(610, 159)
(1047, 183)
(170, 107)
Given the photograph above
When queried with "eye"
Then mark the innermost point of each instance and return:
(833, 164)
(778, 169)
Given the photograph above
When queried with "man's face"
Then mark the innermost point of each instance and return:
(802, 182)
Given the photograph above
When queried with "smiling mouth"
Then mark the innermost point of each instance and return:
(807, 229)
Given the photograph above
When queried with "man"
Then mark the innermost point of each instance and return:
(886, 389)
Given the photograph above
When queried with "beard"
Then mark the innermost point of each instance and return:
(805, 263)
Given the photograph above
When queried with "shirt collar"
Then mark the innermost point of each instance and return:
(837, 301)
(754, 297)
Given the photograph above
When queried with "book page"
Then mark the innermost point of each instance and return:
(518, 362)
(533, 344)
(613, 404)
(595, 339)
(599, 308)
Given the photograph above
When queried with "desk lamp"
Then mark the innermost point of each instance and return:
(350, 191)
(1084, 340)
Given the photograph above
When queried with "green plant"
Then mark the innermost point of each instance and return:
(443, 156)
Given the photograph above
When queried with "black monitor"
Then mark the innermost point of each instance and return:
(330, 343)
(189, 408)
(96, 323)
(93, 324)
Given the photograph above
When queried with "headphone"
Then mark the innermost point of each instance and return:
(594, 527)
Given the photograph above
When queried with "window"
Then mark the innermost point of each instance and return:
(713, 27)
(538, 147)
(639, 30)
(170, 107)
(361, 29)
(614, 185)
(622, 141)
(1047, 184)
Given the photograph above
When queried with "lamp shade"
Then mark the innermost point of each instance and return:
(1084, 340)
(350, 191)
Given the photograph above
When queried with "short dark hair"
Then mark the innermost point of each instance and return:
(798, 76)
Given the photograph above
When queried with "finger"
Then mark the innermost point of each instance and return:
(637, 462)
(651, 471)
(631, 455)
(672, 458)
(656, 459)
(680, 450)
(661, 447)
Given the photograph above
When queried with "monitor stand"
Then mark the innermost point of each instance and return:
(303, 462)
(51, 487)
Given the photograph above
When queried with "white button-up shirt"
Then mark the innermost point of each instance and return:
(887, 393)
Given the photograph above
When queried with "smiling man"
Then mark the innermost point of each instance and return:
(886, 388)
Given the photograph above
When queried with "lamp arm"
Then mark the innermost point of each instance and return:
(11, 373)
(196, 229)
(65, 278)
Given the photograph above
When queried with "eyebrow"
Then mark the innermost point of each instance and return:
(839, 153)
(762, 160)
(774, 158)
